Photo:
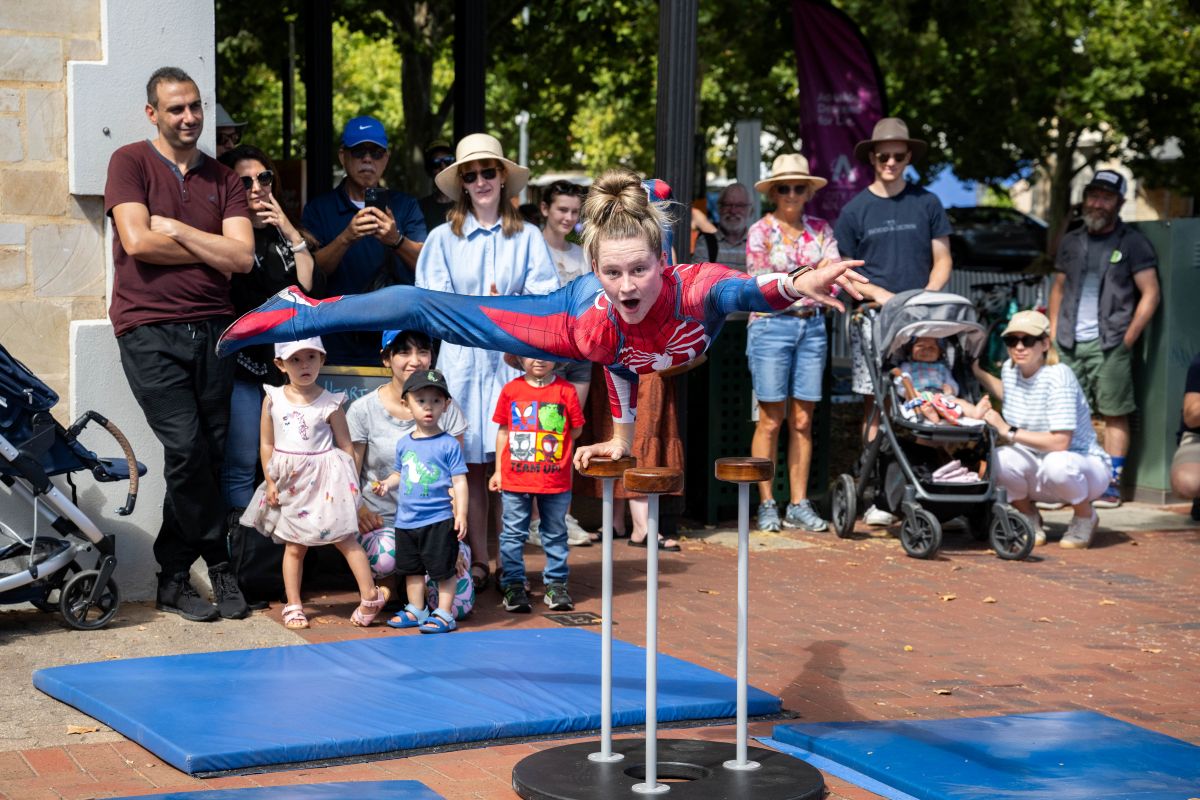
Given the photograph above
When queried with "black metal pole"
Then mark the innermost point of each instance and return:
(289, 98)
(676, 120)
(470, 62)
(318, 78)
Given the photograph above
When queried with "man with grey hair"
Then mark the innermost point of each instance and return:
(1103, 297)
(733, 209)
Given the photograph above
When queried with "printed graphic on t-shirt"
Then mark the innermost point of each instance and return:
(417, 473)
(524, 416)
(549, 446)
(522, 445)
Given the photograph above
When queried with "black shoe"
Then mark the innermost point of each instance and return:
(516, 599)
(177, 595)
(1196, 509)
(557, 598)
(230, 602)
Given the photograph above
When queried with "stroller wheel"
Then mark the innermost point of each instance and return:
(1013, 541)
(844, 505)
(923, 539)
(77, 607)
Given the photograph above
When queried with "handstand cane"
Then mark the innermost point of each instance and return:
(652, 481)
(743, 472)
(607, 470)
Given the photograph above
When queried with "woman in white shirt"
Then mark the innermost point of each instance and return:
(1051, 452)
(485, 248)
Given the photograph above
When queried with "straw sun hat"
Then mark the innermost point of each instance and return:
(480, 147)
(789, 168)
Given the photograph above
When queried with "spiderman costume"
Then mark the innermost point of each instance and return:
(577, 323)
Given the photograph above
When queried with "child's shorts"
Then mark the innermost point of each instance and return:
(431, 549)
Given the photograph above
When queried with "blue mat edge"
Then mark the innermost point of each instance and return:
(47, 680)
(839, 770)
(319, 791)
(804, 730)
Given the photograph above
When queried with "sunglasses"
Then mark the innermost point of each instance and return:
(361, 151)
(442, 161)
(488, 174)
(799, 189)
(884, 158)
(229, 137)
(1024, 339)
(265, 179)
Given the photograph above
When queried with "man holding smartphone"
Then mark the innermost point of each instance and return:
(369, 237)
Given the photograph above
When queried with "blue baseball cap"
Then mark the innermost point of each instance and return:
(364, 129)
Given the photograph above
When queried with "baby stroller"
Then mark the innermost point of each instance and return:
(41, 566)
(902, 463)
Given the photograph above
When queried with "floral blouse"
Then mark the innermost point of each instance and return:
(770, 249)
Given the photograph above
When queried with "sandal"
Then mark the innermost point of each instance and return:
(293, 617)
(409, 617)
(438, 622)
(480, 579)
(367, 610)
(662, 545)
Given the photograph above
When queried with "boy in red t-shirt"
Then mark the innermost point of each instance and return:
(540, 418)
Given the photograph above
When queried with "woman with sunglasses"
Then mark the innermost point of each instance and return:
(281, 258)
(1051, 453)
(485, 248)
(786, 349)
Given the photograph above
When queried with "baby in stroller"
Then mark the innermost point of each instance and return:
(929, 386)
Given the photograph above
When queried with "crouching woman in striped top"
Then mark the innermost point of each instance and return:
(1051, 453)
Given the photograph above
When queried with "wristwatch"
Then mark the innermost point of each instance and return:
(399, 241)
(800, 270)
(1012, 434)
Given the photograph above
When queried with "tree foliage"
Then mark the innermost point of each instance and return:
(1042, 88)
(1000, 88)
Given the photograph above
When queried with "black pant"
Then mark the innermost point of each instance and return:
(184, 389)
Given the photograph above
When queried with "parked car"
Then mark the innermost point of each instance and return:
(998, 239)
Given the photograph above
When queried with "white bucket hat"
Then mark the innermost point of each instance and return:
(284, 350)
(789, 168)
(480, 147)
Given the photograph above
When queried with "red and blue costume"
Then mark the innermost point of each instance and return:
(576, 323)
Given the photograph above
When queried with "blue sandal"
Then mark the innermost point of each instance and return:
(403, 620)
(438, 622)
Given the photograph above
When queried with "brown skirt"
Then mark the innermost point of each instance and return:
(656, 441)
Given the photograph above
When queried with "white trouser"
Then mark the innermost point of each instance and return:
(1058, 477)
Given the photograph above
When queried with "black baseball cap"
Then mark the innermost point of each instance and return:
(424, 378)
(1109, 180)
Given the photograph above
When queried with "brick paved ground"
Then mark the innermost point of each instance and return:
(842, 630)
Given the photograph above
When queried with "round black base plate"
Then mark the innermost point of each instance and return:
(693, 769)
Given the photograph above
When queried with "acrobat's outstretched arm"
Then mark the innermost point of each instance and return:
(536, 326)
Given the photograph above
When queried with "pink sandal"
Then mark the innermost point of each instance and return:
(293, 617)
(367, 610)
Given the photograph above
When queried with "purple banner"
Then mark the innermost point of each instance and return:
(840, 101)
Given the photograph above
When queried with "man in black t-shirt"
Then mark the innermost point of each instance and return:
(903, 234)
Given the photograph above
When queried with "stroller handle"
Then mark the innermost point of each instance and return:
(126, 449)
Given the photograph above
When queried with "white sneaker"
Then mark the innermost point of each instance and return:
(1048, 505)
(878, 517)
(1079, 532)
(576, 535)
(1039, 530)
(535, 535)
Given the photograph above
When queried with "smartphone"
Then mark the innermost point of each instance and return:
(376, 198)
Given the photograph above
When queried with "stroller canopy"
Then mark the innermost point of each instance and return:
(917, 313)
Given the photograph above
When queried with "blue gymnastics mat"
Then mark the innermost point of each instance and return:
(216, 712)
(1074, 755)
(365, 790)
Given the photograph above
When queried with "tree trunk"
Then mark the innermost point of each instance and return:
(1062, 170)
(420, 35)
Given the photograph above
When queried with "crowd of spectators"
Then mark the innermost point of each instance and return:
(468, 237)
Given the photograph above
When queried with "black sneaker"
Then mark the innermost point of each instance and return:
(516, 599)
(557, 598)
(177, 595)
(226, 592)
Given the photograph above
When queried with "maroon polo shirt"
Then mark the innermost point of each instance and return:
(145, 293)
